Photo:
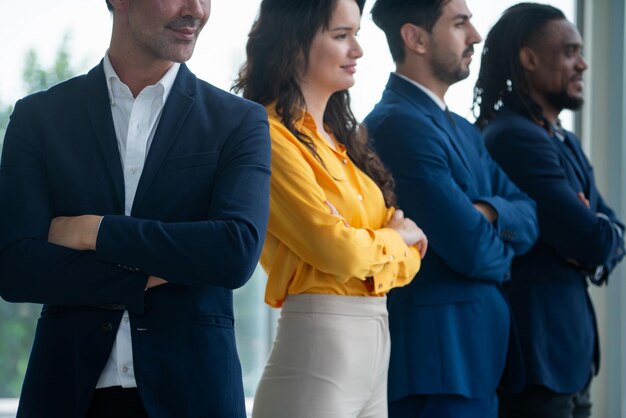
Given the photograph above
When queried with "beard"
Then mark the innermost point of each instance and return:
(449, 69)
(562, 100)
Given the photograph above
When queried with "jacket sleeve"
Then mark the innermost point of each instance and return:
(573, 230)
(31, 269)
(517, 216)
(300, 218)
(467, 242)
(221, 250)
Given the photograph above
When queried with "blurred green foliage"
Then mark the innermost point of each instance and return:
(254, 326)
(17, 321)
(36, 77)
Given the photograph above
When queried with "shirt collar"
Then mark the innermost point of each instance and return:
(166, 82)
(428, 92)
(303, 119)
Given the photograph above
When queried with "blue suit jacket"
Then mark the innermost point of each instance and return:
(198, 220)
(450, 326)
(548, 293)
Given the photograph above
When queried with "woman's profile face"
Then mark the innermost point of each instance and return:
(335, 50)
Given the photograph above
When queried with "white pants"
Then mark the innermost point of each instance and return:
(329, 359)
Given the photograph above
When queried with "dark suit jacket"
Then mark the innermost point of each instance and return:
(450, 326)
(198, 220)
(548, 293)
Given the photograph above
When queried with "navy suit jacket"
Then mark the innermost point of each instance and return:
(548, 293)
(198, 220)
(450, 327)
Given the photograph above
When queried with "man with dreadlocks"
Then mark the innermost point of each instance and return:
(450, 328)
(531, 70)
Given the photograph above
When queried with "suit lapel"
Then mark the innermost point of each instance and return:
(99, 111)
(427, 106)
(456, 137)
(571, 154)
(175, 112)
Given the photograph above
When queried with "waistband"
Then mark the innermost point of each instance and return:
(336, 304)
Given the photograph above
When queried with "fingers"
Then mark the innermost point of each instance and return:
(333, 209)
(583, 199)
(422, 247)
(154, 281)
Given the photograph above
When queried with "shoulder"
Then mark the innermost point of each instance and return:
(283, 140)
(393, 108)
(508, 124)
(396, 118)
(225, 104)
(515, 140)
(58, 97)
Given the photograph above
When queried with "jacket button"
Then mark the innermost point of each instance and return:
(107, 327)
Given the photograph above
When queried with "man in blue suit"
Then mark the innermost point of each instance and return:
(134, 199)
(450, 327)
(532, 70)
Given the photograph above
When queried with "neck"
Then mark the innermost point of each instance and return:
(423, 76)
(549, 112)
(135, 69)
(316, 102)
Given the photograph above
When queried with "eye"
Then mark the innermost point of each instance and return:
(341, 36)
(572, 50)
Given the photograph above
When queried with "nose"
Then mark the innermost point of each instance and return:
(474, 37)
(581, 63)
(196, 9)
(356, 51)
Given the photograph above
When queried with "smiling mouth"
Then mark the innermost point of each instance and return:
(184, 33)
(349, 68)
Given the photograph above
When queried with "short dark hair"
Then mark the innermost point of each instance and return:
(391, 15)
(501, 80)
(109, 5)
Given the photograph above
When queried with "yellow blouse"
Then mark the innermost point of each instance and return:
(310, 250)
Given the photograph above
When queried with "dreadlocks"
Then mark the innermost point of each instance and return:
(501, 80)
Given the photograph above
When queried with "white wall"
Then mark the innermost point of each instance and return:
(603, 134)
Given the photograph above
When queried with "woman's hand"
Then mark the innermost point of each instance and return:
(334, 211)
(409, 231)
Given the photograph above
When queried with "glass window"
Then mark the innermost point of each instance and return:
(219, 53)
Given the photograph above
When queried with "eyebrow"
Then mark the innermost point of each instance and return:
(463, 17)
(574, 45)
(341, 28)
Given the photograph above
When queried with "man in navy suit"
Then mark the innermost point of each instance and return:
(532, 70)
(450, 328)
(134, 199)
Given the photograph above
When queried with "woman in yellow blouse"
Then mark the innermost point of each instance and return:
(335, 245)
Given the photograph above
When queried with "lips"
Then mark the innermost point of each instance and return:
(184, 33)
(351, 68)
(184, 28)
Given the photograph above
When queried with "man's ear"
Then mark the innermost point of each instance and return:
(528, 59)
(415, 38)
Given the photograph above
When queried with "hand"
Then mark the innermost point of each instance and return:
(334, 211)
(411, 234)
(487, 211)
(582, 198)
(75, 232)
(154, 281)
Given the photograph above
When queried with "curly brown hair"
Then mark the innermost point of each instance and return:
(279, 39)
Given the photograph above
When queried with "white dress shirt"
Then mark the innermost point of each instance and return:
(428, 92)
(135, 121)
